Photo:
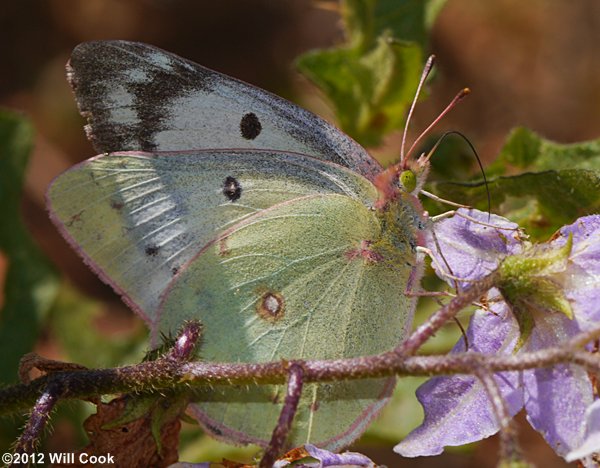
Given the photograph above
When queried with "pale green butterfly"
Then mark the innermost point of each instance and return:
(224, 203)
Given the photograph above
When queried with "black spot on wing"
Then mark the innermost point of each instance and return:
(232, 188)
(116, 205)
(99, 69)
(250, 126)
(96, 68)
(152, 250)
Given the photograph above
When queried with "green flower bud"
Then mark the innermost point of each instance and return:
(531, 282)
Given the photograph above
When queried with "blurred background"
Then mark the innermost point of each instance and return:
(532, 63)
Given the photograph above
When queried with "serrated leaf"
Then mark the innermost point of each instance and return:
(371, 79)
(358, 16)
(365, 20)
(132, 443)
(540, 202)
(370, 92)
(563, 183)
(31, 283)
(526, 150)
(159, 410)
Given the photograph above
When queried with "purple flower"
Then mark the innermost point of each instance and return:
(547, 293)
(324, 458)
(308, 456)
(591, 443)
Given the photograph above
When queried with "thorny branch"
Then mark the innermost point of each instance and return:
(284, 424)
(447, 312)
(37, 420)
(166, 373)
(174, 369)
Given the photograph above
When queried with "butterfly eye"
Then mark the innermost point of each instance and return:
(408, 179)
(250, 126)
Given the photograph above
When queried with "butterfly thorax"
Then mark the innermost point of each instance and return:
(401, 223)
(400, 214)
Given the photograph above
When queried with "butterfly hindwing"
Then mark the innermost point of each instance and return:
(139, 97)
(304, 279)
(137, 218)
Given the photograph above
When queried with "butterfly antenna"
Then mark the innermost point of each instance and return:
(424, 75)
(456, 132)
(459, 97)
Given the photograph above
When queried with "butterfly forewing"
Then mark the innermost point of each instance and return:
(137, 218)
(139, 97)
(296, 281)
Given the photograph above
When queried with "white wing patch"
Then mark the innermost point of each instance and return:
(167, 103)
(137, 219)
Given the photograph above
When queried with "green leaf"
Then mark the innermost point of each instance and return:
(31, 282)
(562, 183)
(539, 202)
(73, 322)
(370, 92)
(453, 160)
(409, 20)
(526, 150)
(372, 79)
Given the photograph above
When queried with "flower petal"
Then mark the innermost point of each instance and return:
(591, 443)
(471, 249)
(586, 232)
(556, 398)
(457, 408)
(346, 459)
(582, 282)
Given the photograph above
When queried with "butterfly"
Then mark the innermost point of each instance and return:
(215, 200)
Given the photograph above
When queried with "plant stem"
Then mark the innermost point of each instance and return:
(447, 312)
(288, 411)
(37, 420)
(167, 373)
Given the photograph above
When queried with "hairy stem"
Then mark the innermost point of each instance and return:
(284, 424)
(168, 373)
(447, 312)
(40, 413)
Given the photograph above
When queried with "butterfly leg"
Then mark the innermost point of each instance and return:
(442, 200)
(409, 285)
(449, 214)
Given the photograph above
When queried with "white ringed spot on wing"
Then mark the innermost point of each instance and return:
(271, 306)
